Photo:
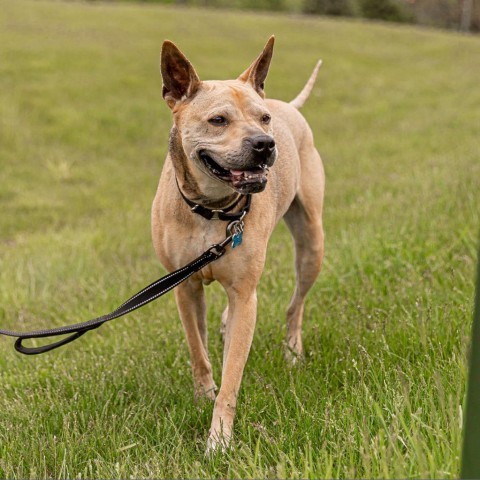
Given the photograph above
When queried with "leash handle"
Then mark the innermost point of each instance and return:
(46, 348)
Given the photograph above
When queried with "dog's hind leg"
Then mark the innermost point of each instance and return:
(223, 324)
(304, 220)
(191, 305)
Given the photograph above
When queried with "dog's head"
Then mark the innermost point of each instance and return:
(225, 126)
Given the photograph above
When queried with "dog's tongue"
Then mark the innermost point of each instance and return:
(247, 173)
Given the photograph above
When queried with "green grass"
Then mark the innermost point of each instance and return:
(83, 133)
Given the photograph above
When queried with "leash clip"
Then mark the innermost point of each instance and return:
(236, 226)
(235, 231)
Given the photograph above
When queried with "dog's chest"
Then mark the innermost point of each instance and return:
(207, 275)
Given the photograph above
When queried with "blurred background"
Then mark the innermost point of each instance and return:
(461, 15)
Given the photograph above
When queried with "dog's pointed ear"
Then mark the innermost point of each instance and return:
(180, 80)
(257, 72)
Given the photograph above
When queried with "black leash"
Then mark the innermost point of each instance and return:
(144, 296)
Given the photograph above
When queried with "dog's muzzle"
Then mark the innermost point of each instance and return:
(250, 176)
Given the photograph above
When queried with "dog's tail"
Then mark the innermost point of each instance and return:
(301, 98)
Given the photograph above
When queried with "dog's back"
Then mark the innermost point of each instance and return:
(297, 156)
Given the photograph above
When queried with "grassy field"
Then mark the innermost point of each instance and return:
(83, 133)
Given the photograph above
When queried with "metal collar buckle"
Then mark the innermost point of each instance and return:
(216, 213)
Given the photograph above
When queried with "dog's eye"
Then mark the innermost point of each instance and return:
(218, 120)
(266, 118)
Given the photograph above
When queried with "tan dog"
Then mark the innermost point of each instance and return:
(224, 139)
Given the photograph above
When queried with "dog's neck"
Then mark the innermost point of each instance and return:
(194, 184)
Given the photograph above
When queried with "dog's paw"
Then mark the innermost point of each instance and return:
(217, 443)
(220, 433)
(205, 393)
(293, 356)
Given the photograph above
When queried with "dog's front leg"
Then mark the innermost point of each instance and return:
(242, 312)
(190, 299)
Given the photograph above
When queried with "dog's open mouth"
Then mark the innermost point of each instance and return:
(253, 179)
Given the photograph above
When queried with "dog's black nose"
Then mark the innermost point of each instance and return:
(263, 143)
(262, 147)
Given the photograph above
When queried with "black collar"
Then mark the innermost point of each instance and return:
(218, 213)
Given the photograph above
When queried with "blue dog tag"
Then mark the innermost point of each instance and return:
(237, 239)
